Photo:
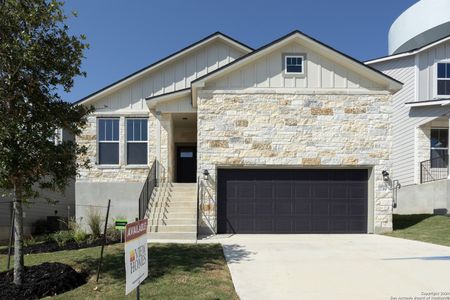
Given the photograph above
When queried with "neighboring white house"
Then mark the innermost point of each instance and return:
(422, 108)
(289, 138)
(49, 204)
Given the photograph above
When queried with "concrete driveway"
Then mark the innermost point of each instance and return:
(335, 267)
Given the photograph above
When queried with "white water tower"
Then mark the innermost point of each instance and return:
(421, 24)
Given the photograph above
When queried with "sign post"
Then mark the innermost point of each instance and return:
(120, 225)
(136, 255)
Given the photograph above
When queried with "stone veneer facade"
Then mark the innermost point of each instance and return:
(263, 129)
(123, 172)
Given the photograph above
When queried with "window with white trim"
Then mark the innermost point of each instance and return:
(108, 141)
(293, 64)
(439, 147)
(443, 79)
(137, 140)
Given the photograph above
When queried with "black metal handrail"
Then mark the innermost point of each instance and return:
(147, 190)
(433, 169)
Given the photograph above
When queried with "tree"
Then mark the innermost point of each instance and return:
(38, 57)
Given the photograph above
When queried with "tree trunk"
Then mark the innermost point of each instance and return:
(18, 235)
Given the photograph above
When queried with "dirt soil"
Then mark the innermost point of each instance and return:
(40, 281)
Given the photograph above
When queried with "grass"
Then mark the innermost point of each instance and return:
(176, 271)
(426, 228)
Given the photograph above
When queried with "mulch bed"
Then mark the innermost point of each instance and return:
(53, 246)
(47, 279)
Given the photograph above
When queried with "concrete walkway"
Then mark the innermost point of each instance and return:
(335, 267)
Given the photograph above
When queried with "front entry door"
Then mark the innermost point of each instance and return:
(186, 163)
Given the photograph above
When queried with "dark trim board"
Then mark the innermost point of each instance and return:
(292, 201)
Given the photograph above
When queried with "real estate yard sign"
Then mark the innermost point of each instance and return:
(136, 254)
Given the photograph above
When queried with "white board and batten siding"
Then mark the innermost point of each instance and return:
(427, 71)
(174, 76)
(267, 72)
(418, 74)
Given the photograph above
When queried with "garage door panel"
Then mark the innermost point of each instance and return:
(320, 190)
(283, 225)
(357, 209)
(302, 207)
(245, 208)
(264, 224)
(245, 189)
(263, 189)
(283, 207)
(339, 225)
(301, 190)
(338, 190)
(339, 209)
(292, 201)
(320, 208)
(264, 207)
(302, 225)
(320, 225)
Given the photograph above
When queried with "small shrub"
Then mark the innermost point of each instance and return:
(112, 234)
(28, 242)
(80, 236)
(94, 221)
(62, 237)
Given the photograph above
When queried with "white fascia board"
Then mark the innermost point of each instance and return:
(400, 55)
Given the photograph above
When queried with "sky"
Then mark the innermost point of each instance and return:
(127, 35)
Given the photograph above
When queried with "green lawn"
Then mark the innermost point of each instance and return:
(425, 228)
(176, 271)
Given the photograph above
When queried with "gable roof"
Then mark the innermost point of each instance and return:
(409, 52)
(243, 60)
(171, 57)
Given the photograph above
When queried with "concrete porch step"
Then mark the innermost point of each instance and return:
(171, 209)
(190, 214)
(173, 221)
(171, 228)
(172, 236)
(174, 204)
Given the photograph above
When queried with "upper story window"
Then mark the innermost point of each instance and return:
(137, 140)
(294, 64)
(108, 141)
(443, 79)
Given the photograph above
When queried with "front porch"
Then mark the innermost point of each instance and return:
(432, 150)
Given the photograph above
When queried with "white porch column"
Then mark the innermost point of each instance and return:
(158, 146)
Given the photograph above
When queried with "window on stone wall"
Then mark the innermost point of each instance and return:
(439, 147)
(137, 141)
(443, 79)
(108, 141)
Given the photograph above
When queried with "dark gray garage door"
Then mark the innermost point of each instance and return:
(292, 201)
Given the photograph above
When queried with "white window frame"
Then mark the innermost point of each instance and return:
(106, 142)
(135, 142)
(286, 56)
(436, 78)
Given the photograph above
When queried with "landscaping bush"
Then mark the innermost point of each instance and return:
(62, 237)
(30, 241)
(112, 234)
(80, 236)
(94, 221)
